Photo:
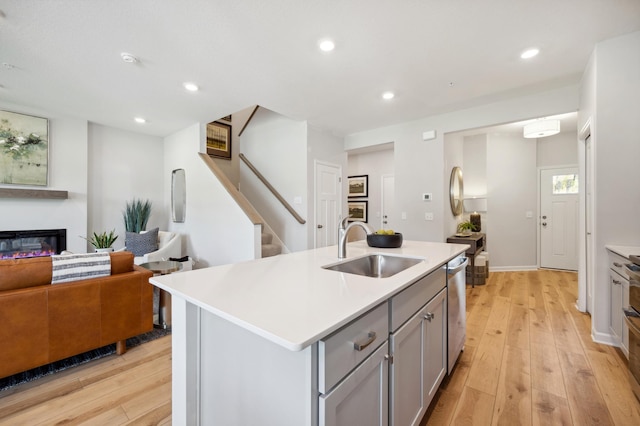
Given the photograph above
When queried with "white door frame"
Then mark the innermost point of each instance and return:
(539, 207)
(315, 195)
(586, 269)
(382, 206)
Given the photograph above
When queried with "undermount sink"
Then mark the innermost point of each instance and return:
(375, 265)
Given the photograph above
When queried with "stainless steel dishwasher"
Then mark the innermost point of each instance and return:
(456, 308)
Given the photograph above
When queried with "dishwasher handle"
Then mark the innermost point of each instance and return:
(461, 266)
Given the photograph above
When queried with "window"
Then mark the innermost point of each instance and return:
(565, 184)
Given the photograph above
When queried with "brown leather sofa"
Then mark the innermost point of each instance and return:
(41, 323)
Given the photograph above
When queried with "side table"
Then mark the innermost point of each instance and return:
(163, 267)
(477, 242)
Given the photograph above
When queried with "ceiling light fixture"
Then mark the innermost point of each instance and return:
(529, 53)
(326, 45)
(140, 120)
(192, 87)
(128, 58)
(388, 96)
(541, 128)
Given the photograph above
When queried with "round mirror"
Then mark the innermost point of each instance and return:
(456, 191)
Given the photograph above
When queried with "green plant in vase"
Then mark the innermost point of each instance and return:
(103, 240)
(136, 215)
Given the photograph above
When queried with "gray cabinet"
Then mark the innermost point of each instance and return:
(418, 345)
(619, 299)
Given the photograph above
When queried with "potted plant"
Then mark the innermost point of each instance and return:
(103, 241)
(466, 227)
(136, 215)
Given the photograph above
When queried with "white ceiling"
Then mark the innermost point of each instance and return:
(64, 56)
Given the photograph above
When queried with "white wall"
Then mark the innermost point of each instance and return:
(277, 147)
(122, 166)
(420, 167)
(67, 172)
(611, 98)
(215, 231)
(558, 150)
(454, 153)
(511, 193)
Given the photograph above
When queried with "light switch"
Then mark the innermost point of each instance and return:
(404, 215)
(427, 196)
(428, 216)
(529, 214)
(297, 200)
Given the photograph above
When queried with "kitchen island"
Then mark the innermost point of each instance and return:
(252, 341)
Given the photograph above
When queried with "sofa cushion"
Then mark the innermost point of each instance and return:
(22, 273)
(121, 262)
(143, 243)
(75, 267)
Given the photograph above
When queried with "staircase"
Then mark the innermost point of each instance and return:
(268, 248)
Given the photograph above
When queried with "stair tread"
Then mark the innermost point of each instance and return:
(269, 250)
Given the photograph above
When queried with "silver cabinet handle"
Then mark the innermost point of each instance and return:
(617, 265)
(429, 316)
(370, 338)
(319, 226)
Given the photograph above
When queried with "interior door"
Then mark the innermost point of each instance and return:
(388, 215)
(328, 203)
(559, 218)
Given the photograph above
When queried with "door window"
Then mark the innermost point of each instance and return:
(565, 184)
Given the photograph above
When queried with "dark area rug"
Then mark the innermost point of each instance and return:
(54, 367)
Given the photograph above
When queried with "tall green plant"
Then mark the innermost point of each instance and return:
(136, 215)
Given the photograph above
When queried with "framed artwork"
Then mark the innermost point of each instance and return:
(24, 149)
(358, 211)
(219, 140)
(358, 186)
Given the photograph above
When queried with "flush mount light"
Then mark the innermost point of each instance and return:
(388, 96)
(140, 120)
(326, 45)
(128, 58)
(192, 87)
(541, 128)
(529, 53)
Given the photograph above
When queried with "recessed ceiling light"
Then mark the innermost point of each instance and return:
(128, 57)
(529, 53)
(326, 45)
(388, 96)
(140, 120)
(192, 87)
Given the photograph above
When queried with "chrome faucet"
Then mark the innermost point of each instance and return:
(343, 231)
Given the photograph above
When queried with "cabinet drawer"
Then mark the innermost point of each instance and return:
(338, 353)
(616, 263)
(406, 303)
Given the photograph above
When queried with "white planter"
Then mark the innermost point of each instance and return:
(104, 250)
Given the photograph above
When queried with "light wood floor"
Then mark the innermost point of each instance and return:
(529, 360)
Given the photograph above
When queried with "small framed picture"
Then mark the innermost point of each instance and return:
(358, 211)
(358, 186)
(219, 140)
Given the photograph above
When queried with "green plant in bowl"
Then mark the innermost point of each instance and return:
(466, 227)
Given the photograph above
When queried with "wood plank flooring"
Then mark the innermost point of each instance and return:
(528, 360)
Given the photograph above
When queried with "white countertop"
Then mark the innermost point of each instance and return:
(290, 300)
(624, 251)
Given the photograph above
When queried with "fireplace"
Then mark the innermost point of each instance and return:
(34, 243)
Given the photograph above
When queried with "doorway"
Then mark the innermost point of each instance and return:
(558, 225)
(388, 216)
(328, 203)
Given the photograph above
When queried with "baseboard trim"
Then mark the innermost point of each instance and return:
(513, 268)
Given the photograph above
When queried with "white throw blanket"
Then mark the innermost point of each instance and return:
(73, 267)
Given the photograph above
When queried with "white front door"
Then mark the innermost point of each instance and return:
(328, 203)
(559, 218)
(388, 215)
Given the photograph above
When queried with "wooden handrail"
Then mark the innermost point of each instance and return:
(246, 123)
(242, 201)
(273, 190)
